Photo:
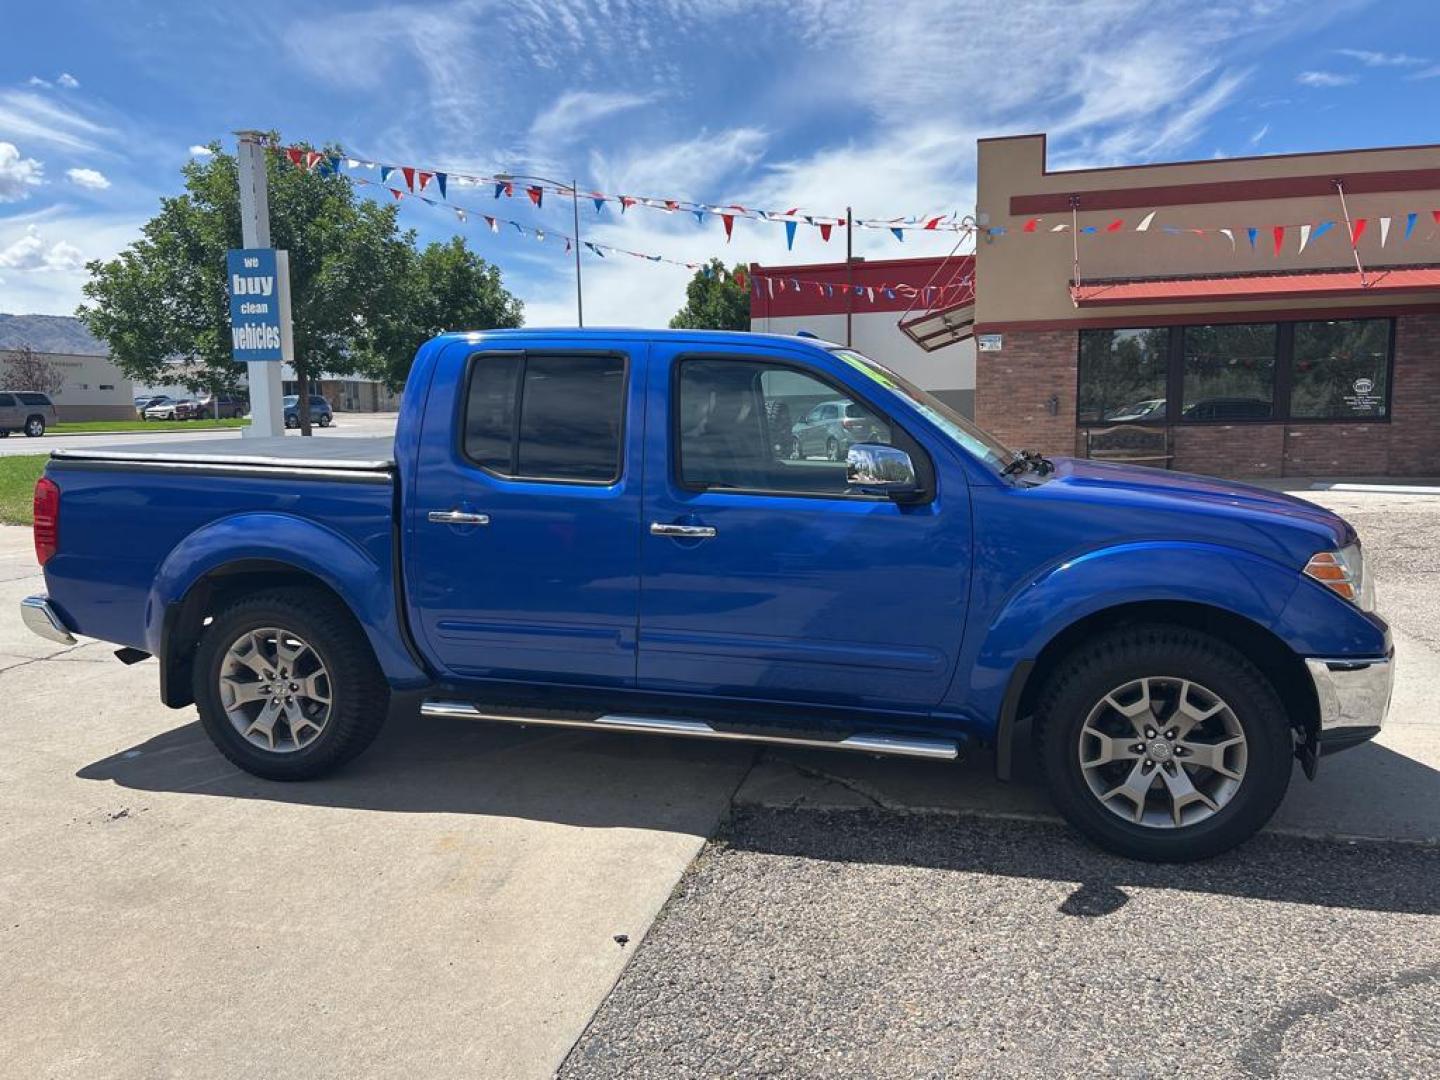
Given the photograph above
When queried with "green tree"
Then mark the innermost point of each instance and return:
(356, 308)
(446, 287)
(714, 300)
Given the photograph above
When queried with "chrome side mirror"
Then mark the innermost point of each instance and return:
(877, 469)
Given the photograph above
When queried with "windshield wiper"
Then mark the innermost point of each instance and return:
(1029, 460)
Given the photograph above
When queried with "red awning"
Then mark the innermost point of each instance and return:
(1316, 285)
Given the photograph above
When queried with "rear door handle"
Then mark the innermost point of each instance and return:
(457, 517)
(689, 532)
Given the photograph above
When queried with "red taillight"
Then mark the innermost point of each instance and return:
(47, 518)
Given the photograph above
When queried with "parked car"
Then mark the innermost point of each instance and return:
(170, 409)
(320, 411)
(25, 410)
(1230, 408)
(832, 427)
(595, 530)
(229, 408)
(1149, 409)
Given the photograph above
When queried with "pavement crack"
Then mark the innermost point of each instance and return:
(41, 659)
(875, 798)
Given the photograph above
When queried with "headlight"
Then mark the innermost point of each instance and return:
(1343, 573)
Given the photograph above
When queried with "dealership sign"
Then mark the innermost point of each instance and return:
(254, 284)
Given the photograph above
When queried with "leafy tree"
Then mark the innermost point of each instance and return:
(714, 300)
(355, 307)
(25, 369)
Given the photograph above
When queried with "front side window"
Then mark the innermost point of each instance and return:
(1122, 375)
(766, 427)
(1228, 372)
(1341, 369)
(546, 417)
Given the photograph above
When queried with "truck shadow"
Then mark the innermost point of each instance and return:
(430, 765)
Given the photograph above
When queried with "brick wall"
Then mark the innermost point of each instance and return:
(1014, 386)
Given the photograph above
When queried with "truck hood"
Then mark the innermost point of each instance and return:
(1132, 490)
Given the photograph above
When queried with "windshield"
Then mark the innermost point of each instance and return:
(292, 399)
(980, 443)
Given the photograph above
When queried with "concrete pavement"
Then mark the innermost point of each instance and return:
(449, 906)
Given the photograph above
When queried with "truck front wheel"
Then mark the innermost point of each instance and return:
(287, 686)
(1163, 743)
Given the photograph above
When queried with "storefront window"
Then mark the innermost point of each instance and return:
(1341, 370)
(1229, 372)
(1122, 375)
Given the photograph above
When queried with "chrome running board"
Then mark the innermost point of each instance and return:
(892, 745)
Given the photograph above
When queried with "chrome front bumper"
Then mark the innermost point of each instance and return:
(41, 617)
(1354, 696)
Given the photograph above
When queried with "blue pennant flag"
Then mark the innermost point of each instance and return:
(599, 201)
(1089, 229)
(440, 179)
(499, 188)
(795, 284)
(653, 258)
(829, 290)
(385, 171)
(699, 216)
(890, 294)
(595, 249)
(1252, 233)
(899, 234)
(707, 271)
(859, 290)
(1171, 230)
(1322, 229)
(518, 227)
(790, 235)
(1409, 224)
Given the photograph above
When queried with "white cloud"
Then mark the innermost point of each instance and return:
(1260, 133)
(30, 116)
(1324, 79)
(92, 179)
(1428, 73)
(1382, 59)
(37, 81)
(29, 253)
(17, 174)
(68, 81)
(574, 112)
(200, 151)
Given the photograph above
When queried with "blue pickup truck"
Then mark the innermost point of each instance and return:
(632, 531)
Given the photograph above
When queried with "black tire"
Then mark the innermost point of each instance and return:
(1096, 669)
(34, 427)
(360, 697)
(4, 433)
(324, 419)
(292, 421)
(832, 450)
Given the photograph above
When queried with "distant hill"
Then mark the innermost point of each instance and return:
(49, 334)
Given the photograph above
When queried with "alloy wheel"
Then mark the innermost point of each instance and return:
(275, 689)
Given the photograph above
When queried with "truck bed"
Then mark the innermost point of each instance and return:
(342, 454)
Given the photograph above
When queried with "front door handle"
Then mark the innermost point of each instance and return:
(457, 517)
(687, 532)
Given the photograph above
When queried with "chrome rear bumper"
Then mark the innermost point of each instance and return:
(1354, 696)
(42, 619)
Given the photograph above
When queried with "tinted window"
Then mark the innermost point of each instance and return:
(750, 426)
(1229, 372)
(6, 400)
(39, 399)
(1340, 369)
(1122, 373)
(570, 417)
(568, 411)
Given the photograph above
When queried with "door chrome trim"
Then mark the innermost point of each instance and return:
(689, 532)
(457, 517)
(889, 745)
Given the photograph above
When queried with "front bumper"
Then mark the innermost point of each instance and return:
(41, 617)
(1354, 696)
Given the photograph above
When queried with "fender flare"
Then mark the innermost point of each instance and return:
(366, 586)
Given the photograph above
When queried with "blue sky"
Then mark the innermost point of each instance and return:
(816, 103)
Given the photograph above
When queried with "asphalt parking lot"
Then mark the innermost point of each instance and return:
(462, 900)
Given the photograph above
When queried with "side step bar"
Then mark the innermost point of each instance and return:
(893, 745)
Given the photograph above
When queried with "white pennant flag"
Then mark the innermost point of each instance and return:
(1145, 222)
(1304, 237)
(1229, 236)
(770, 287)
(1059, 228)
(1384, 230)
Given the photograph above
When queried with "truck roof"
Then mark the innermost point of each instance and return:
(636, 333)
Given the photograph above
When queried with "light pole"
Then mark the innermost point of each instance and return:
(574, 186)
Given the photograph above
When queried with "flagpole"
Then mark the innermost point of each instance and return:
(575, 203)
(849, 273)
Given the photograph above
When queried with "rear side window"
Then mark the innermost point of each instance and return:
(33, 399)
(546, 417)
(7, 400)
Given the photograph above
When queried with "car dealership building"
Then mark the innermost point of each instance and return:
(1268, 316)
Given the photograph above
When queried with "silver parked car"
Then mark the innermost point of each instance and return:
(27, 411)
(832, 427)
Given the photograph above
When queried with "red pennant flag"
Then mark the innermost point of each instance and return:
(1357, 230)
(509, 188)
(825, 232)
(536, 194)
(397, 193)
(408, 172)
(934, 222)
(1031, 225)
(296, 156)
(1436, 215)
(425, 178)
(1279, 233)
(1116, 225)
(740, 278)
(729, 220)
(625, 203)
(671, 205)
(313, 158)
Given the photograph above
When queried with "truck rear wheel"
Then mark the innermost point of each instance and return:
(287, 686)
(1163, 743)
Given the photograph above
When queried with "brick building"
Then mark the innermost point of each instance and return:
(1264, 354)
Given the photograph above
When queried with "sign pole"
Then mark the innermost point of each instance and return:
(267, 413)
